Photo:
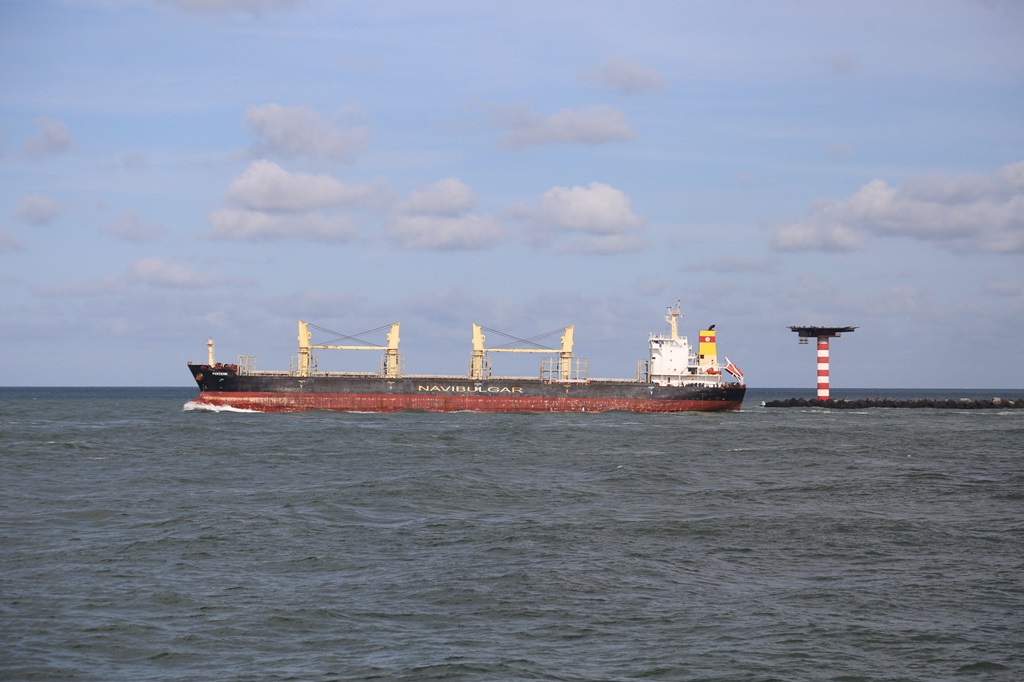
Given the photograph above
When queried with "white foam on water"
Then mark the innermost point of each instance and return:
(202, 407)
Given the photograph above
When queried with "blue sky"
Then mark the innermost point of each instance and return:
(172, 170)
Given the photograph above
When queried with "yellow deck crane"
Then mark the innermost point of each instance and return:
(392, 364)
(479, 364)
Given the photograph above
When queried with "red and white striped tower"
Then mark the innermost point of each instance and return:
(823, 368)
(823, 334)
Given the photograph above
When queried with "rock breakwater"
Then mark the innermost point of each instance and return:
(861, 403)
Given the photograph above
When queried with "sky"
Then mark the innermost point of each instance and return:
(178, 170)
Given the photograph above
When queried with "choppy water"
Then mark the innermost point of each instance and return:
(141, 541)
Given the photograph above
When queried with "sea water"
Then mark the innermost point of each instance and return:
(143, 540)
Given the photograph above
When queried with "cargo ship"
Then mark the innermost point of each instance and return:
(675, 377)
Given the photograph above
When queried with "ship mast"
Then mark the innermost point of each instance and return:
(304, 351)
(673, 322)
(565, 355)
(478, 366)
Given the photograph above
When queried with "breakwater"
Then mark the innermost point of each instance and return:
(861, 403)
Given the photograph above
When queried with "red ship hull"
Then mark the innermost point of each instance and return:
(356, 402)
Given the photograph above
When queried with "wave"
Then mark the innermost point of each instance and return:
(192, 405)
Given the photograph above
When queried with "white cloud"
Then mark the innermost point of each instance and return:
(249, 225)
(624, 75)
(269, 203)
(158, 272)
(592, 125)
(1002, 287)
(442, 232)
(971, 213)
(131, 227)
(300, 131)
(819, 236)
(440, 217)
(595, 209)
(153, 271)
(53, 138)
(445, 197)
(36, 209)
(10, 242)
(601, 213)
(266, 186)
(1013, 176)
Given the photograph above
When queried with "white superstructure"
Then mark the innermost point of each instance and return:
(674, 362)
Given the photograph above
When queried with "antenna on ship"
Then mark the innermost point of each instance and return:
(209, 352)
